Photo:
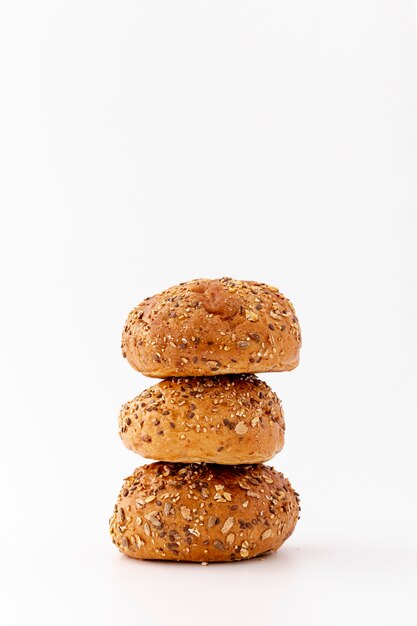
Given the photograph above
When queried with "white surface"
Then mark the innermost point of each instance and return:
(145, 143)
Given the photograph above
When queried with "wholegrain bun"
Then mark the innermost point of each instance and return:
(203, 513)
(207, 327)
(218, 419)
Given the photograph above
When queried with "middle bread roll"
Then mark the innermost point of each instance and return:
(228, 420)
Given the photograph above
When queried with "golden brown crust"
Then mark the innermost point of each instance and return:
(217, 419)
(207, 327)
(172, 511)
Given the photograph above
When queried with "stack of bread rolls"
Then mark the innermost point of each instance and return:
(210, 424)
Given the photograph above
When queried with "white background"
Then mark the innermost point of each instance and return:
(146, 143)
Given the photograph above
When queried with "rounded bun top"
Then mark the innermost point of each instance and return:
(206, 327)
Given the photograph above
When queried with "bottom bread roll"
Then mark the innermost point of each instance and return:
(203, 512)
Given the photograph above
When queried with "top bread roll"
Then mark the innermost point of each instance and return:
(209, 327)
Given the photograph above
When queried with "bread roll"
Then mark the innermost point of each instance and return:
(209, 327)
(219, 419)
(203, 513)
